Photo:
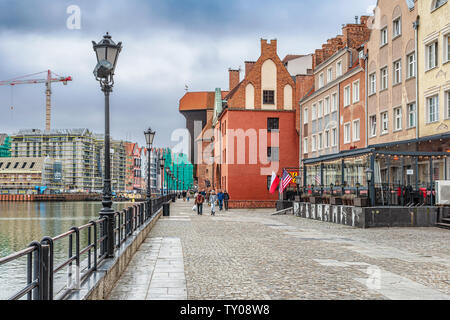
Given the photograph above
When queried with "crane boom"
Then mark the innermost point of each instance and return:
(48, 92)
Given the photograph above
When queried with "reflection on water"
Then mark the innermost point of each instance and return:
(23, 222)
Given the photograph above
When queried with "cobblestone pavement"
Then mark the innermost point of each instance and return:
(250, 254)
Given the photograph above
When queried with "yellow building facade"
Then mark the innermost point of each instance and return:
(433, 42)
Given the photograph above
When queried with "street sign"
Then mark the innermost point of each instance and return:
(410, 172)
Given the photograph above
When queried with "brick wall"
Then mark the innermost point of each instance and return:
(253, 76)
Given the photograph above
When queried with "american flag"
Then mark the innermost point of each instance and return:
(285, 180)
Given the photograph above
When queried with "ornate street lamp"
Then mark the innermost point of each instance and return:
(107, 53)
(149, 136)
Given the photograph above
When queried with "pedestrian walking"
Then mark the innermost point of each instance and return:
(184, 196)
(212, 201)
(188, 195)
(199, 202)
(220, 198)
(226, 197)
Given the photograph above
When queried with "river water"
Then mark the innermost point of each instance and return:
(23, 222)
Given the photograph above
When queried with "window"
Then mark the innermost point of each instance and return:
(8, 165)
(334, 103)
(330, 75)
(447, 48)
(411, 115)
(273, 154)
(327, 138)
(448, 104)
(321, 80)
(327, 106)
(320, 110)
(334, 137)
(373, 83)
(32, 165)
(397, 27)
(397, 72)
(24, 165)
(305, 145)
(373, 125)
(269, 97)
(314, 143)
(384, 78)
(314, 112)
(273, 124)
(397, 119)
(16, 165)
(411, 65)
(356, 91)
(339, 69)
(347, 133)
(346, 96)
(269, 182)
(384, 36)
(384, 123)
(305, 116)
(356, 130)
(320, 141)
(438, 3)
(433, 109)
(432, 55)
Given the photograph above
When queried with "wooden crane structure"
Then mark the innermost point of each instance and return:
(51, 77)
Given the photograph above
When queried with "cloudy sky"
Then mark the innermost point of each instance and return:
(167, 44)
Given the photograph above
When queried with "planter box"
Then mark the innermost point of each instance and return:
(361, 202)
(315, 200)
(336, 201)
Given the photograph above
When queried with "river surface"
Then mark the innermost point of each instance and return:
(23, 222)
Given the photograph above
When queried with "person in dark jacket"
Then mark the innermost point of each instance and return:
(199, 202)
(226, 197)
(220, 198)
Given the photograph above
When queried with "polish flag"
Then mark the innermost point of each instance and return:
(274, 182)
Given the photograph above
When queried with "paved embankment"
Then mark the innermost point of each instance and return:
(250, 254)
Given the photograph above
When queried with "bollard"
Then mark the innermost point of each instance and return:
(166, 209)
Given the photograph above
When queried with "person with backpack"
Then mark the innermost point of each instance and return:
(226, 197)
(220, 198)
(199, 199)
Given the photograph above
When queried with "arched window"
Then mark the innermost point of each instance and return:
(288, 97)
(269, 85)
(249, 96)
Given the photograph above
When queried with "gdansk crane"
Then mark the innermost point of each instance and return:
(51, 77)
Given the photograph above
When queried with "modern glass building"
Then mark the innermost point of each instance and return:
(5, 146)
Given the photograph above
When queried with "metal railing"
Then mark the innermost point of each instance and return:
(40, 267)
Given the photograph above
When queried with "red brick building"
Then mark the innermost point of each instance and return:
(255, 130)
(134, 180)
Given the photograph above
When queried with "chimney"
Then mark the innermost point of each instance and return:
(248, 67)
(234, 78)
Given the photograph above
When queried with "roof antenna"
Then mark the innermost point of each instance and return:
(356, 19)
(186, 88)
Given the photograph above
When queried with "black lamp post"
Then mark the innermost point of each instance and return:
(161, 167)
(107, 53)
(149, 136)
(167, 179)
(369, 176)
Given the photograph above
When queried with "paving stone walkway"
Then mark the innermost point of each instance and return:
(250, 254)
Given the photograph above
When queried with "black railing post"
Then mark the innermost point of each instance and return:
(47, 268)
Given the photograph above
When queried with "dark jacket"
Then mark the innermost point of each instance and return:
(226, 196)
(220, 196)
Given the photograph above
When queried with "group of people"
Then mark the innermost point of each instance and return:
(212, 199)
